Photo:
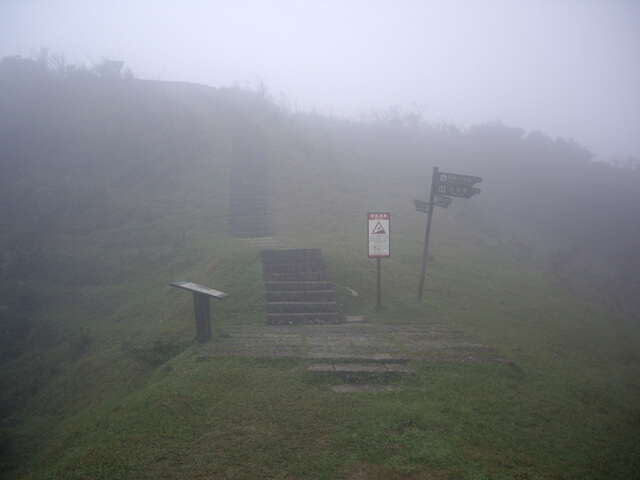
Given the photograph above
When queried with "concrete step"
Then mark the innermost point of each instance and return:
(240, 171)
(297, 277)
(358, 372)
(250, 196)
(304, 318)
(302, 307)
(266, 242)
(251, 233)
(260, 213)
(299, 267)
(242, 222)
(248, 205)
(357, 358)
(245, 224)
(291, 254)
(302, 296)
(248, 211)
(294, 259)
(297, 286)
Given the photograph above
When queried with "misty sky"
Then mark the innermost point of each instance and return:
(568, 68)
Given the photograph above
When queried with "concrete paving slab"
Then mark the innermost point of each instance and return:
(351, 388)
(357, 342)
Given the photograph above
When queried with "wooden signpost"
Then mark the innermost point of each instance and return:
(201, 297)
(443, 186)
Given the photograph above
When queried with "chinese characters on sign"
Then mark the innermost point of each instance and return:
(455, 179)
(456, 190)
(378, 226)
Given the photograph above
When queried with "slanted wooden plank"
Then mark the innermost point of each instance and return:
(194, 287)
(201, 308)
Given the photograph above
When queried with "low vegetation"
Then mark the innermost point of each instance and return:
(113, 187)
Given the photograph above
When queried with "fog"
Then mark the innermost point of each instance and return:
(113, 187)
(570, 69)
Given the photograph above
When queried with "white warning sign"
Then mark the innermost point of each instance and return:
(378, 232)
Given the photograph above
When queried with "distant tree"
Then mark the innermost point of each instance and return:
(109, 68)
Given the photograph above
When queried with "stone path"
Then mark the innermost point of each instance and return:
(248, 212)
(266, 243)
(351, 343)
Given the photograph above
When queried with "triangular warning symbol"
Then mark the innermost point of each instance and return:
(378, 230)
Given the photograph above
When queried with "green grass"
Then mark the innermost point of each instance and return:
(116, 391)
(130, 408)
(240, 418)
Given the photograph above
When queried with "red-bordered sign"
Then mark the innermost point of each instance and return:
(378, 233)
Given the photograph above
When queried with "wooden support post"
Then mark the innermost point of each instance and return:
(203, 317)
(201, 307)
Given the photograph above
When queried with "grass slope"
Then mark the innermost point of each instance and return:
(122, 395)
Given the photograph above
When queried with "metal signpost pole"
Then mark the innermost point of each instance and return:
(427, 233)
(379, 305)
(443, 186)
(379, 234)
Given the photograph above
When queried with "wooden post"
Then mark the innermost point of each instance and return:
(201, 308)
(427, 233)
(203, 317)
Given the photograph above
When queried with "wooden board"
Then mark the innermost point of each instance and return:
(194, 287)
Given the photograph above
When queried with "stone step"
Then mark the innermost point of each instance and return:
(359, 358)
(247, 209)
(247, 189)
(250, 234)
(266, 242)
(297, 277)
(297, 286)
(252, 198)
(357, 372)
(241, 196)
(301, 296)
(302, 307)
(248, 228)
(259, 212)
(292, 259)
(291, 254)
(263, 230)
(299, 267)
(247, 225)
(243, 222)
(304, 318)
(242, 180)
(250, 169)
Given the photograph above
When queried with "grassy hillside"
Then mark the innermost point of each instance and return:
(126, 189)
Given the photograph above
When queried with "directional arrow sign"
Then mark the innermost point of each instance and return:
(455, 179)
(438, 200)
(421, 206)
(441, 201)
(456, 191)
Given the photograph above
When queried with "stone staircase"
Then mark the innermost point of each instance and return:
(298, 290)
(362, 371)
(248, 214)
